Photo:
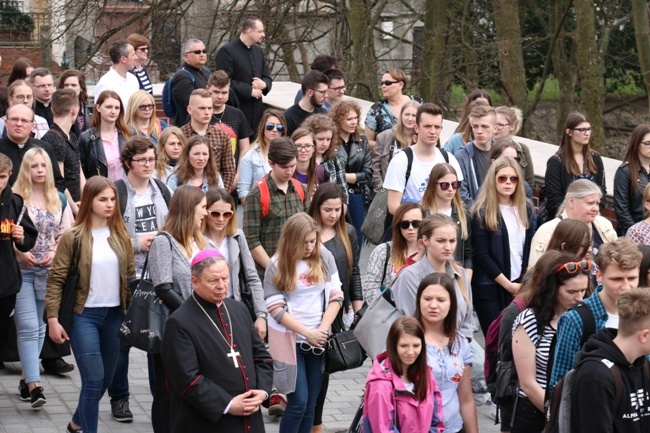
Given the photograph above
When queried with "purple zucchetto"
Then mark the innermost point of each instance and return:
(204, 255)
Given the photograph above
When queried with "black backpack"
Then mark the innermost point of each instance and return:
(123, 196)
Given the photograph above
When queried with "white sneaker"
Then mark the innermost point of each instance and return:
(493, 411)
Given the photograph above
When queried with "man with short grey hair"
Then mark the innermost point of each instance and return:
(118, 78)
(190, 76)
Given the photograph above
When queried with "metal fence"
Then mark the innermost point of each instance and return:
(17, 27)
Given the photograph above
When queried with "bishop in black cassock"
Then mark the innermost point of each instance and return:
(218, 368)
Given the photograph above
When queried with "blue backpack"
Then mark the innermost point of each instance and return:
(169, 107)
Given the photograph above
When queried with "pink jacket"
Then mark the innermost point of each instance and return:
(386, 395)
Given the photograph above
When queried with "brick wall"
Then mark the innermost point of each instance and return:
(11, 53)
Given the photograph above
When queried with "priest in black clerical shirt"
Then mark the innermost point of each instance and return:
(218, 368)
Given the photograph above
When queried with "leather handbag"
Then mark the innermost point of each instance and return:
(69, 294)
(374, 322)
(343, 351)
(144, 323)
(245, 292)
(374, 225)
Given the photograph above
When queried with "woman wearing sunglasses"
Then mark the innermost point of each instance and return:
(443, 196)
(308, 171)
(170, 256)
(630, 180)
(254, 165)
(221, 232)
(303, 296)
(573, 160)
(557, 282)
(502, 229)
(509, 148)
(388, 258)
(383, 114)
(141, 116)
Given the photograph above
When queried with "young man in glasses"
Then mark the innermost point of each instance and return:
(595, 405)
(118, 78)
(244, 61)
(43, 87)
(144, 204)
(474, 157)
(424, 155)
(191, 75)
(229, 119)
(617, 273)
(141, 46)
(314, 88)
(335, 88)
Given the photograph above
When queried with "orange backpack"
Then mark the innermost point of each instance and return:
(265, 195)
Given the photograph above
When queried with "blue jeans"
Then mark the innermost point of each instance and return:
(30, 328)
(357, 213)
(119, 387)
(298, 417)
(95, 345)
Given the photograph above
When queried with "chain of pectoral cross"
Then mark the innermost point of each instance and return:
(232, 354)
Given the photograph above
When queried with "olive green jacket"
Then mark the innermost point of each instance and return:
(61, 266)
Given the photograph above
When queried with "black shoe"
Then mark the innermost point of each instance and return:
(73, 430)
(120, 410)
(23, 390)
(37, 397)
(56, 366)
(2, 365)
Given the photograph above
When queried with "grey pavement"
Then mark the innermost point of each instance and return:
(62, 393)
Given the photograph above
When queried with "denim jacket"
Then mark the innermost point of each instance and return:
(252, 167)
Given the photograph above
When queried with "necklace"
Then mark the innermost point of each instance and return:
(233, 354)
(216, 116)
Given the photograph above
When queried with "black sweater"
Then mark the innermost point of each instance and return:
(10, 206)
(593, 396)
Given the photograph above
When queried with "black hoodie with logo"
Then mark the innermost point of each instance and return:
(593, 398)
(10, 207)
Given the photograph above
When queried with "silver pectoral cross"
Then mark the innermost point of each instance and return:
(234, 356)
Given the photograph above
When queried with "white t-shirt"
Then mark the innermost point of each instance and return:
(306, 301)
(104, 273)
(124, 87)
(145, 222)
(612, 321)
(420, 171)
(516, 239)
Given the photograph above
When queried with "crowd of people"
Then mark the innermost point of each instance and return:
(103, 199)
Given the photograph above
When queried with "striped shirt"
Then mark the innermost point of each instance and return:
(143, 79)
(528, 321)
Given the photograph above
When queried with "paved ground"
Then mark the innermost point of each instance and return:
(62, 395)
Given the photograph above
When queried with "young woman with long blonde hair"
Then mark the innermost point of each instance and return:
(303, 295)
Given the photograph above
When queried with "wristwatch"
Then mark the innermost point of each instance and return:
(262, 315)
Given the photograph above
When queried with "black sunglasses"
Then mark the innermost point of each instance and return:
(388, 83)
(278, 127)
(445, 185)
(406, 224)
(197, 52)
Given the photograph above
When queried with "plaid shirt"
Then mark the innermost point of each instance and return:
(569, 334)
(221, 151)
(336, 169)
(266, 231)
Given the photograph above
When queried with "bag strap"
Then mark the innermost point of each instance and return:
(588, 321)
(383, 277)
(444, 154)
(74, 263)
(409, 157)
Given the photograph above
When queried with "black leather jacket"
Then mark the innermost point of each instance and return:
(628, 201)
(356, 155)
(91, 153)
